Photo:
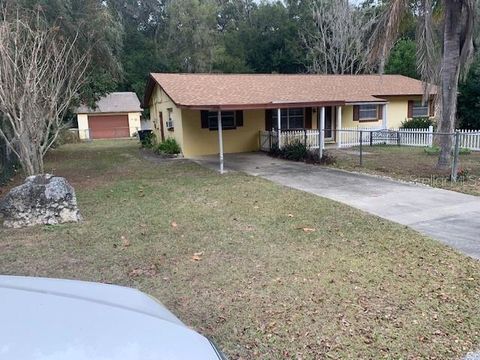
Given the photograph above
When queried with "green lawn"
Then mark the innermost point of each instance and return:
(267, 271)
(411, 164)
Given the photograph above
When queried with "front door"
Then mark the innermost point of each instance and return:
(162, 131)
(329, 123)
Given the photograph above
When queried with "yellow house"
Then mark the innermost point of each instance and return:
(215, 113)
(116, 115)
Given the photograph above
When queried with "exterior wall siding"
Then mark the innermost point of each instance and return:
(134, 122)
(397, 110)
(348, 122)
(160, 103)
(198, 141)
(82, 123)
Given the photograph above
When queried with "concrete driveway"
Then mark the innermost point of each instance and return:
(448, 216)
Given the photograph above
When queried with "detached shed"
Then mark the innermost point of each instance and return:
(116, 115)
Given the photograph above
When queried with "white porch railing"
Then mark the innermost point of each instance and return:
(349, 137)
(307, 137)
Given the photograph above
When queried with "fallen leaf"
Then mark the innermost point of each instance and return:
(151, 271)
(125, 242)
(197, 256)
(174, 224)
(307, 229)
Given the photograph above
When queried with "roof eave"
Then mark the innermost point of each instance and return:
(260, 106)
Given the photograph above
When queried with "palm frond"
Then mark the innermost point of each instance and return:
(386, 31)
(466, 53)
(428, 51)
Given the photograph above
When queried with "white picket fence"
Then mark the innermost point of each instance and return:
(374, 136)
(470, 139)
(350, 137)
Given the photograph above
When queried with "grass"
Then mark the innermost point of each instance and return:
(268, 272)
(412, 164)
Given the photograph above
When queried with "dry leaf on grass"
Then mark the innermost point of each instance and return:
(125, 242)
(151, 271)
(197, 256)
(174, 224)
(307, 229)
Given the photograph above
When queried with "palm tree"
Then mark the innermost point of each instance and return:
(445, 50)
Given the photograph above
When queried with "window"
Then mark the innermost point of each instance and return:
(420, 109)
(368, 112)
(169, 122)
(290, 118)
(228, 120)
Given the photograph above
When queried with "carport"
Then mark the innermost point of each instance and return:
(320, 119)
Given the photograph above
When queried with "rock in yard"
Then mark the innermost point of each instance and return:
(41, 200)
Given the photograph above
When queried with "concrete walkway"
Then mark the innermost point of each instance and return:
(448, 216)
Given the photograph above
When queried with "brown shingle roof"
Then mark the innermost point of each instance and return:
(115, 102)
(255, 90)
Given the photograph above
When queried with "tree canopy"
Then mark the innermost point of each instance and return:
(128, 39)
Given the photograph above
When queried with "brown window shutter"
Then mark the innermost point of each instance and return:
(239, 118)
(380, 112)
(410, 109)
(432, 107)
(268, 120)
(204, 119)
(356, 112)
(308, 118)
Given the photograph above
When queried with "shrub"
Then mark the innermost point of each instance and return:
(168, 147)
(418, 123)
(66, 136)
(148, 140)
(434, 150)
(275, 151)
(295, 151)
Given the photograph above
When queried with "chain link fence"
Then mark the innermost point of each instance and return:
(411, 155)
(404, 154)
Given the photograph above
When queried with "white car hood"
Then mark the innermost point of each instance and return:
(50, 319)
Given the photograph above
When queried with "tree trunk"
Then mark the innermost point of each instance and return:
(449, 78)
(381, 65)
(30, 158)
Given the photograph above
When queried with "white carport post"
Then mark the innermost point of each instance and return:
(220, 139)
(384, 116)
(321, 132)
(339, 127)
(279, 127)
